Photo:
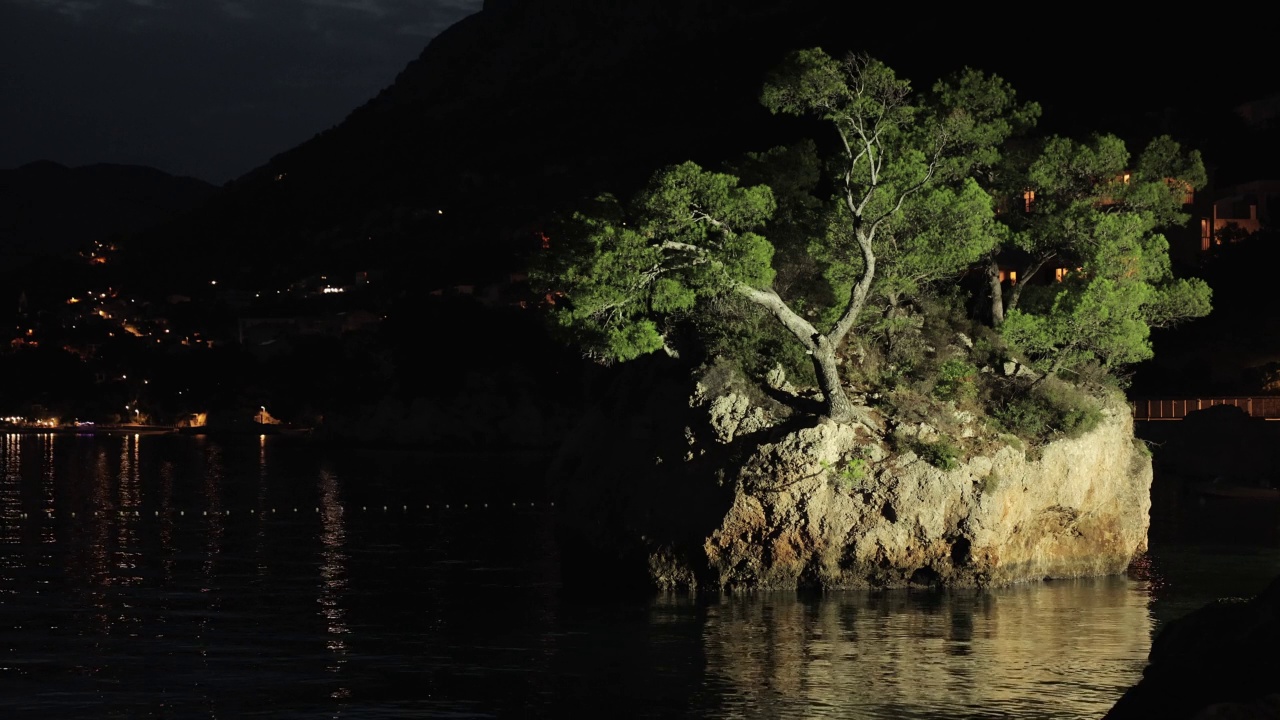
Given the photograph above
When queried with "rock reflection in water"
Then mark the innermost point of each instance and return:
(892, 655)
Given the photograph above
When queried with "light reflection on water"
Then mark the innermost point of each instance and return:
(333, 575)
(1053, 650)
(11, 565)
(188, 577)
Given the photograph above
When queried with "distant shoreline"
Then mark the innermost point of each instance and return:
(155, 430)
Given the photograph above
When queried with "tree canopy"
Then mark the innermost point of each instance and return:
(1099, 216)
(911, 194)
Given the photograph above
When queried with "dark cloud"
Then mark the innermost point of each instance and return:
(209, 88)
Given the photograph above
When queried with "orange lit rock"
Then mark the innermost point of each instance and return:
(741, 499)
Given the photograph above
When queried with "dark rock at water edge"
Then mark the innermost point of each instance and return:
(1218, 662)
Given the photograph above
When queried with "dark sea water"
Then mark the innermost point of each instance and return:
(176, 577)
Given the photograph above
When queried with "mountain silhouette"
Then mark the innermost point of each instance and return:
(529, 106)
(47, 208)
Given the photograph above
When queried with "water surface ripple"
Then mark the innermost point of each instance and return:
(181, 577)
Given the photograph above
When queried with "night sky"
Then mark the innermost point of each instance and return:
(215, 88)
(206, 88)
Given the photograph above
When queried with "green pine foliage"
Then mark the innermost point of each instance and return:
(1094, 212)
(957, 380)
(622, 279)
(850, 258)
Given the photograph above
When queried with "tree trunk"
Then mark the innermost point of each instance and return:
(1016, 293)
(838, 407)
(891, 313)
(1025, 277)
(997, 294)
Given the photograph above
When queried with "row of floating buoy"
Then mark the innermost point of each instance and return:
(273, 511)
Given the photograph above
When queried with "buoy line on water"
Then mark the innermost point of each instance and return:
(403, 510)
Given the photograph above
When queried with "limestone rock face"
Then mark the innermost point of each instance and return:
(1081, 509)
(734, 493)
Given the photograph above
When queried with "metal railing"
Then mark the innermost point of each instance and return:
(1178, 408)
